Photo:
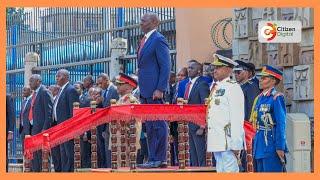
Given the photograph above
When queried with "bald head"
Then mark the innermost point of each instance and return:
(64, 72)
(36, 76)
(149, 21)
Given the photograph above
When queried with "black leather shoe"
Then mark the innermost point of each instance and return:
(163, 165)
(160, 164)
(146, 165)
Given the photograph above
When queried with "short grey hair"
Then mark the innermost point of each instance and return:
(36, 76)
(64, 72)
(104, 76)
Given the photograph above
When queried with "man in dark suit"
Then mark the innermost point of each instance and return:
(154, 70)
(183, 82)
(85, 100)
(109, 92)
(40, 114)
(10, 119)
(24, 128)
(63, 110)
(55, 152)
(196, 91)
(84, 94)
(169, 95)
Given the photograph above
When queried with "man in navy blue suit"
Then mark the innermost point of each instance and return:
(182, 83)
(24, 128)
(197, 89)
(182, 76)
(63, 110)
(154, 70)
(109, 91)
(40, 114)
(10, 114)
(55, 152)
(85, 99)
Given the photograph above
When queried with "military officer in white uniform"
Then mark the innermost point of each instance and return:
(225, 116)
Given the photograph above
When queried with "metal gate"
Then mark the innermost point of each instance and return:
(77, 39)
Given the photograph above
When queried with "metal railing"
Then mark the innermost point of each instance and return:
(77, 39)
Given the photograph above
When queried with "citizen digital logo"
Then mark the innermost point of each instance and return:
(285, 31)
(279, 31)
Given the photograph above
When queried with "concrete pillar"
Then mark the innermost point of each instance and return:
(118, 49)
(31, 61)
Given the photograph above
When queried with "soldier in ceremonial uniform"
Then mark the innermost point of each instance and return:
(225, 116)
(269, 118)
(125, 85)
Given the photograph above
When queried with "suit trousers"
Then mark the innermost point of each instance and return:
(56, 155)
(85, 153)
(36, 162)
(197, 148)
(157, 135)
(67, 156)
(107, 150)
(101, 147)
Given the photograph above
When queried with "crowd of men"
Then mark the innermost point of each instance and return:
(234, 95)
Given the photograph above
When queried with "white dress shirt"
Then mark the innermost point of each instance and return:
(56, 101)
(149, 34)
(192, 83)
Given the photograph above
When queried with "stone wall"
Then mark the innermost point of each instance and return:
(296, 59)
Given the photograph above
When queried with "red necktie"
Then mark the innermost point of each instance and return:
(32, 103)
(141, 44)
(186, 92)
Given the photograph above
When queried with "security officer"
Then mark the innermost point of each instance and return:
(269, 118)
(250, 92)
(249, 88)
(225, 117)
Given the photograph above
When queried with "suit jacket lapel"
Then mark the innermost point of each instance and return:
(194, 87)
(38, 96)
(147, 43)
(62, 93)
